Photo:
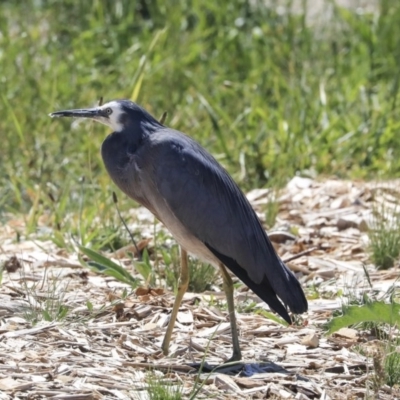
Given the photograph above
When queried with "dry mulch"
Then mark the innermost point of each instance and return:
(106, 344)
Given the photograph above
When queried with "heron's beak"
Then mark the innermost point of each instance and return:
(93, 113)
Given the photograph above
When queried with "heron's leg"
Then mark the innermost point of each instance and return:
(228, 288)
(183, 285)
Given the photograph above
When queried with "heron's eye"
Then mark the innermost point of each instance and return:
(108, 111)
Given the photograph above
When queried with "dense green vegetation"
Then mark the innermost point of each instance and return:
(269, 94)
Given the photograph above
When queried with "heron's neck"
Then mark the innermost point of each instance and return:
(149, 126)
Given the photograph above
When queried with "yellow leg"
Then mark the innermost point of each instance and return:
(183, 285)
(228, 288)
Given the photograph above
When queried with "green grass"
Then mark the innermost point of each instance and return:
(380, 318)
(45, 300)
(384, 236)
(392, 363)
(158, 389)
(201, 275)
(267, 94)
(272, 210)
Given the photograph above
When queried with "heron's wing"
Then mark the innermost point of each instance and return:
(208, 203)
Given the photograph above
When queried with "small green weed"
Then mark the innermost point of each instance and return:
(384, 236)
(247, 306)
(392, 362)
(386, 362)
(201, 275)
(159, 389)
(102, 264)
(272, 210)
(46, 300)
(378, 312)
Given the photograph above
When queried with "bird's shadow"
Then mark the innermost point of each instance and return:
(242, 369)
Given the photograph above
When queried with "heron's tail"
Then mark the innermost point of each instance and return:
(286, 286)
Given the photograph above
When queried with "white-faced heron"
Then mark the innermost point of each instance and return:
(196, 199)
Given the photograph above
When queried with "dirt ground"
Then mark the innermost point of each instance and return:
(104, 346)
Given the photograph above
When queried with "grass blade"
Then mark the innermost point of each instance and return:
(106, 266)
(373, 312)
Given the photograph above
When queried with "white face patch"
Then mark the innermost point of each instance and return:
(113, 117)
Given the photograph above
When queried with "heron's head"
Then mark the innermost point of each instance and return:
(117, 114)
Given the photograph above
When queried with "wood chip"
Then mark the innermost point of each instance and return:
(347, 333)
(96, 353)
(311, 340)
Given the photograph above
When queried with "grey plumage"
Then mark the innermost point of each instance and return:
(197, 200)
